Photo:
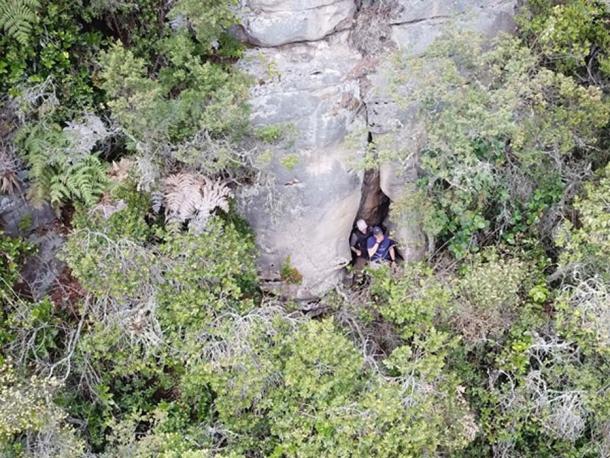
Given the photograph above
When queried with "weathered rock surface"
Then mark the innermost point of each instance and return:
(307, 85)
(321, 72)
(312, 194)
(278, 22)
(414, 37)
(414, 11)
(19, 217)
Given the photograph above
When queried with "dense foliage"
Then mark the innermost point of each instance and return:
(507, 139)
(158, 340)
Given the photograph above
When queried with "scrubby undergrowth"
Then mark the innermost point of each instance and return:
(131, 120)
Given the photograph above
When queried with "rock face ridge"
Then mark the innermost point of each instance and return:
(318, 67)
(278, 22)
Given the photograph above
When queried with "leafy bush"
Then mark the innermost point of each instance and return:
(304, 386)
(52, 41)
(488, 294)
(583, 267)
(12, 254)
(572, 36)
(505, 138)
(188, 104)
(206, 274)
(585, 242)
(553, 407)
(414, 302)
(31, 423)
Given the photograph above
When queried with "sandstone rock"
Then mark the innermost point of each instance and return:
(414, 36)
(278, 22)
(312, 81)
(307, 85)
(306, 209)
(397, 181)
(413, 11)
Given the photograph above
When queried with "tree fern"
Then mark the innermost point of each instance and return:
(17, 17)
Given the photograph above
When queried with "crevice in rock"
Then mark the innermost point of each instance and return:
(371, 32)
(420, 20)
(374, 204)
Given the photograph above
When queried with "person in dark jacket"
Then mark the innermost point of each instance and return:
(380, 247)
(358, 239)
(358, 245)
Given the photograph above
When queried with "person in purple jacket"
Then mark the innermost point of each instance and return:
(381, 247)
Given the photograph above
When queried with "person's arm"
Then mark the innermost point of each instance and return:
(392, 253)
(373, 246)
(354, 245)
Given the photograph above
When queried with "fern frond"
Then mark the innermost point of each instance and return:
(17, 18)
(190, 197)
(58, 190)
(85, 182)
(58, 170)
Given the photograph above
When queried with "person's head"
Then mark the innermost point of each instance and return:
(361, 225)
(378, 233)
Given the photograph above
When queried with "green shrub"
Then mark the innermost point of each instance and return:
(290, 161)
(60, 172)
(572, 35)
(269, 134)
(495, 156)
(13, 252)
(207, 273)
(289, 273)
(17, 18)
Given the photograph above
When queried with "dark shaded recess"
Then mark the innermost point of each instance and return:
(374, 204)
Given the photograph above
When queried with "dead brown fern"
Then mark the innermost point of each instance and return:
(192, 198)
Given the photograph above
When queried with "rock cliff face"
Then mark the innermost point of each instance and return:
(318, 68)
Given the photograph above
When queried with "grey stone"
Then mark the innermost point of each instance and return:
(16, 211)
(305, 212)
(306, 85)
(413, 37)
(413, 11)
(41, 270)
(397, 181)
(278, 22)
(309, 219)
